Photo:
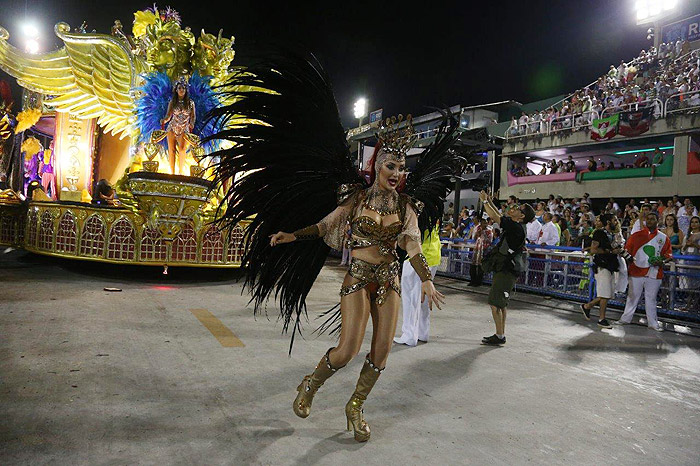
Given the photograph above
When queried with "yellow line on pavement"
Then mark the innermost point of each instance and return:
(217, 328)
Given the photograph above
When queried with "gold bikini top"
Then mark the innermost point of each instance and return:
(368, 232)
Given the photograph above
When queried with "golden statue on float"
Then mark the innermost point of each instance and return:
(128, 111)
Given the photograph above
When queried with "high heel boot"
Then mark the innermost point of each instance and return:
(353, 410)
(310, 385)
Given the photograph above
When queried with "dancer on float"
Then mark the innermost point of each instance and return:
(180, 119)
(296, 161)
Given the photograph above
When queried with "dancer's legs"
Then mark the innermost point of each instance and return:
(182, 145)
(354, 313)
(384, 320)
(354, 309)
(171, 151)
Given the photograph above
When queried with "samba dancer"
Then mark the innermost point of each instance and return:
(180, 119)
(292, 147)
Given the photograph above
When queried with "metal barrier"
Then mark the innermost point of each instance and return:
(567, 273)
(572, 122)
(682, 102)
(634, 107)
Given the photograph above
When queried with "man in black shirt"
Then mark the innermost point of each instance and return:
(605, 264)
(508, 260)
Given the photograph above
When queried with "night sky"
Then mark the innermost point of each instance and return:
(403, 59)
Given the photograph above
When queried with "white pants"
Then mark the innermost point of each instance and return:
(416, 315)
(621, 276)
(650, 286)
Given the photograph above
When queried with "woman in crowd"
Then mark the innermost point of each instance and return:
(685, 213)
(539, 212)
(675, 235)
(565, 236)
(669, 209)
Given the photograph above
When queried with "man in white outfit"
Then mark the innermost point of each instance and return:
(549, 236)
(534, 229)
(416, 315)
(649, 249)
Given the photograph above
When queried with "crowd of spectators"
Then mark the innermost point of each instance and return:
(571, 222)
(568, 165)
(650, 79)
(575, 223)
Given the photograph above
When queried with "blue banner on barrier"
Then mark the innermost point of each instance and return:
(687, 29)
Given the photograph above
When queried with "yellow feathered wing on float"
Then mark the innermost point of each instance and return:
(91, 76)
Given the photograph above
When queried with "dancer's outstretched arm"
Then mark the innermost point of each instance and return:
(409, 241)
(332, 224)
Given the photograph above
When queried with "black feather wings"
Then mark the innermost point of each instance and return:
(283, 123)
(433, 177)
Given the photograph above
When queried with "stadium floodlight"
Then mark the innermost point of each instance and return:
(653, 10)
(360, 108)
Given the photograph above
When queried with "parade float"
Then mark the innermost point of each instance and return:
(106, 185)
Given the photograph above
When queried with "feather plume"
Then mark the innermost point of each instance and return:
(286, 135)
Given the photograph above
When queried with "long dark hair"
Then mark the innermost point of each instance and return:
(176, 98)
(675, 222)
(691, 221)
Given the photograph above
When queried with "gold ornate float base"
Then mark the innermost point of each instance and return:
(114, 235)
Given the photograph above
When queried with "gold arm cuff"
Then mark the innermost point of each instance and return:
(420, 265)
(310, 232)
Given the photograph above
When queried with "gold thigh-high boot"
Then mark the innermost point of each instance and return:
(353, 410)
(310, 385)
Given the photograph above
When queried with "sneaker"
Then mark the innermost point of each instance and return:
(586, 312)
(604, 323)
(493, 340)
(620, 322)
(658, 328)
(401, 341)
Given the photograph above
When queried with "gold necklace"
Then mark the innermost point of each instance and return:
(382, 202)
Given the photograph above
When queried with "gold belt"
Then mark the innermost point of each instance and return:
(383, 275)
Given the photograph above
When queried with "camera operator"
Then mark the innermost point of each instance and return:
(605, 264)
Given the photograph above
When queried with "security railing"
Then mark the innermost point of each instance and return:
(584, 120)
(682, 102)
(550, 126)
(572, 122)
(567, 272)
(656, 104)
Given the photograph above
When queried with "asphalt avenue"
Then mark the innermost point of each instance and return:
(176, 370)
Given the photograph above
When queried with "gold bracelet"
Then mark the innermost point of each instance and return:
(310, 232)
(420, 265)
